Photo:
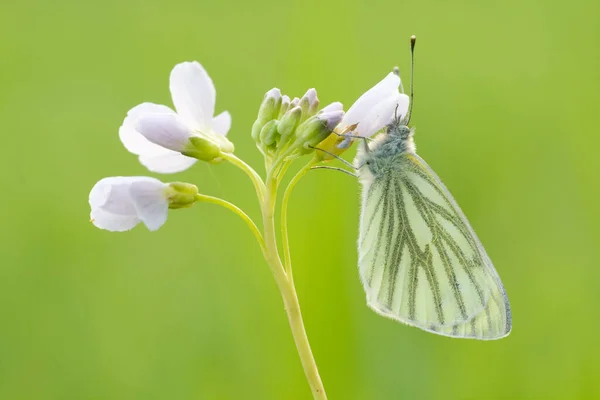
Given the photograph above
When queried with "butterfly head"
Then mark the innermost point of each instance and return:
(399, 129)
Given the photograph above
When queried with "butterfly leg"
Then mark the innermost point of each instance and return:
(348, 139)
(348, 164)
(335, 169)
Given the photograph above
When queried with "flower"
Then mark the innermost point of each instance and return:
(376, 107)
(120, 203)
(167, 141)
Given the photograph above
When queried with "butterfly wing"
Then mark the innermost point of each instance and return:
(419, 259)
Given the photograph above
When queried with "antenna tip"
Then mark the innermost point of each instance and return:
(413, 39)
(396, 71)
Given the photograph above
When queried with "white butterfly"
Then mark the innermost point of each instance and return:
(419, 259)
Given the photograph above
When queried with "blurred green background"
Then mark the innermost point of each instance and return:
(506, 113)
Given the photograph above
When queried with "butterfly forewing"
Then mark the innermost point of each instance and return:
(419, 259)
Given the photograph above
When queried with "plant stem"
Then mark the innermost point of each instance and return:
(239, 212)
(285, 284)
(257, 181)
(287, 258)
(267, 195)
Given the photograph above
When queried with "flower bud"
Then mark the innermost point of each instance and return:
(269, 109)
(288, 123)
(181, 194)
(316, 129)
(285, 106)
(256, 127)
(269, 134)
(336, 106)
(309, 103)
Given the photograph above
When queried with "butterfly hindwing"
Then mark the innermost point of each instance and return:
(420, 261)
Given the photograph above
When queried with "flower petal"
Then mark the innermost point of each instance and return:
(382, 114)
(166, 130)
(222, 123)
(112, 194)
(154, 157)
(403, 103)
(193, 95)
(113, 222)
(331, 119)
(111, 205)
(150, 201)
(166, 162)
(134, 141)
(336, 106)
(371, 98)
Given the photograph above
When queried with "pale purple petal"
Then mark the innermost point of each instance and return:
(336, 106)
(134, 141)
(150, 201)
(154, 157)
(331, 118)
(112, 207)
(166, 130)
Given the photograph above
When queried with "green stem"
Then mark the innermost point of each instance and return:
(257, 181)
(288, 293)
(239, 212)
(287, 258)
(267, 194)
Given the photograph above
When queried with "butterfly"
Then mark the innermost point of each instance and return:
(420, 261)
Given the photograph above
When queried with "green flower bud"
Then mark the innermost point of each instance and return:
(288, 123)
(181, 194)
(285, 106)
(256, 127)
(269, 110)
(269, 134)
(315, 129)
(309, 103)
(202, 149)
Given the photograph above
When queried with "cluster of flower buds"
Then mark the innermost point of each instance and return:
(289, 128)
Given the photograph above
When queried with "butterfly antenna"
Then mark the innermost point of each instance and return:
(413, 40)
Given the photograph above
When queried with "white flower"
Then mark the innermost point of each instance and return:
(158, 135)
(376, 107)
(120, 203)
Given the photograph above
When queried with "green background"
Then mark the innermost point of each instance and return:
(506, 113)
